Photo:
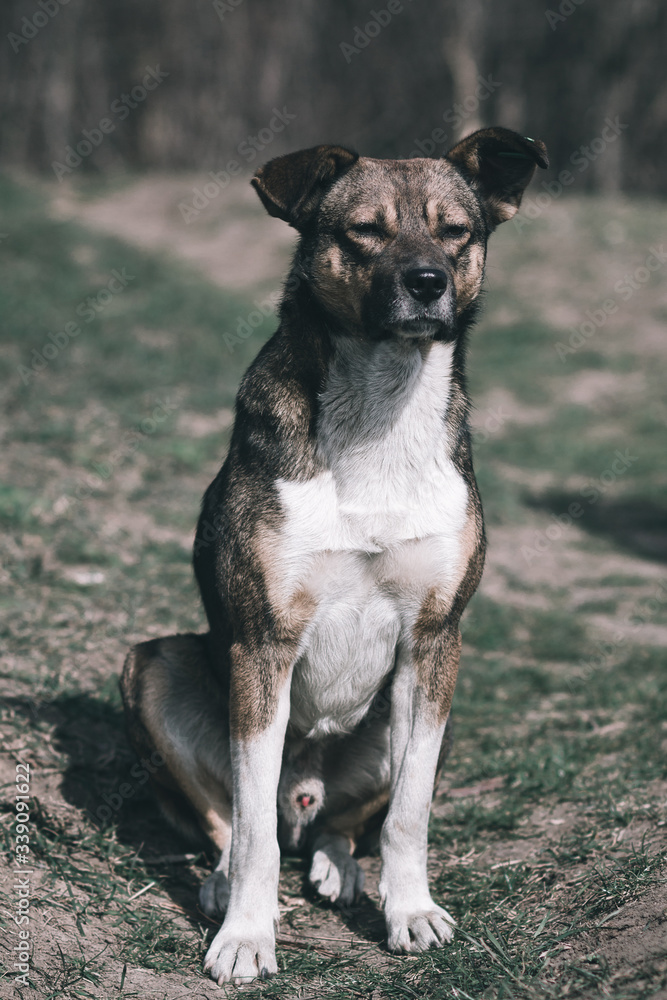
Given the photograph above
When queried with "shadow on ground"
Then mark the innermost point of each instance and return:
(103, 778)
(640, 526)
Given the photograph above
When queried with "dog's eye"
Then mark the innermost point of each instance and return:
(453, 232)
(366, 229)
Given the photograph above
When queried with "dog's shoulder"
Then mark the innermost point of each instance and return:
(278, 398)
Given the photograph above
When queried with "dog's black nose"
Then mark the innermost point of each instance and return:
(426, 284)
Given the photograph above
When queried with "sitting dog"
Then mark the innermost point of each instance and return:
(336, 550)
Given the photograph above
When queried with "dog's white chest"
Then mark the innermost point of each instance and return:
(369, 536)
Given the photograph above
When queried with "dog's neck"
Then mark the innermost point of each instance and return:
(365, 390)
(382, 428)
(372, 388)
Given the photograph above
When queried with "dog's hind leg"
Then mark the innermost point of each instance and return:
(355, 772)
(334, 873)
(176, 716)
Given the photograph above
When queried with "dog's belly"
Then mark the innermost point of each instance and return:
(367, 574)
(349, 648)
(366, 601)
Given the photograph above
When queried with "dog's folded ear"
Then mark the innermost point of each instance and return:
(291, 186)
(499, 164)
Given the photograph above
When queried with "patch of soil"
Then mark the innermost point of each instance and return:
(230, 240)
(633, 940)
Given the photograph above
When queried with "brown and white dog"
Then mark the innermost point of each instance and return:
(336, 550)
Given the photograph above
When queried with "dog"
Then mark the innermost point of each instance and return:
(336, 550)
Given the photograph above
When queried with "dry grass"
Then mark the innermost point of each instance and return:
(548, 833)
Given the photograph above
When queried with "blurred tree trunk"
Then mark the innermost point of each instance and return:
(344, 71)
(463, 47)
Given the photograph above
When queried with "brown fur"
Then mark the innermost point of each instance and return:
(365, 226)
(437, 640)
(160, 674)
(389, 194)
(145, 683)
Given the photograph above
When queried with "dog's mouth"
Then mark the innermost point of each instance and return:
(416, 329)
(394, 312)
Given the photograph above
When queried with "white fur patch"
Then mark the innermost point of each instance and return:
(414, 921)
(244, 947)
(369, 536)
(333, 871)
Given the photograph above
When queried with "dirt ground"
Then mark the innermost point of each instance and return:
(113, 911)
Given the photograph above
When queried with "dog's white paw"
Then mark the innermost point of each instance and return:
(336, 875)
(419, 929)
(239, 954)
(214, 895)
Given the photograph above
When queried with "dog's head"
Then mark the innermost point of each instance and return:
(396, 248)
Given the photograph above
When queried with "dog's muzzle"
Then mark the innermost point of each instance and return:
(411, 299)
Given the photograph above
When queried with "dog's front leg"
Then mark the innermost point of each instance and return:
(419, 710)
(244, 947)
